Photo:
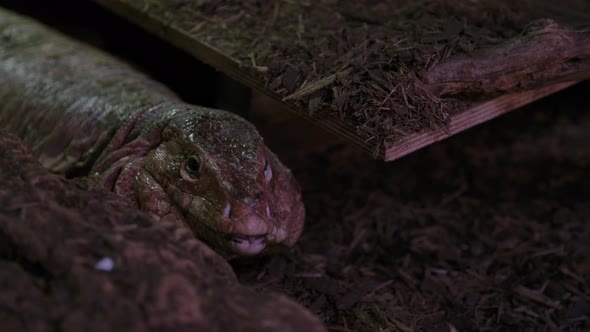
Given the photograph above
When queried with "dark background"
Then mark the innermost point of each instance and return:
(192, 80)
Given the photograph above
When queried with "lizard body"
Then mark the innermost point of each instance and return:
(84, 113)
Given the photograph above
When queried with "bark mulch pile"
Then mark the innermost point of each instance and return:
(487, 231)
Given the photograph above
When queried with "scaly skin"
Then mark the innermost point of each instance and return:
(84, 113)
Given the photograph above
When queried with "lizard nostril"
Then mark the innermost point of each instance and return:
(227, 211)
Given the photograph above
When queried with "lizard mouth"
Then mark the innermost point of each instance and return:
(248, 245)
(242, 234)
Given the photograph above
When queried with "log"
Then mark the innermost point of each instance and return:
(74, 257)
(545, 54)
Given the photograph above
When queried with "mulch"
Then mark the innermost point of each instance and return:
(487, 231)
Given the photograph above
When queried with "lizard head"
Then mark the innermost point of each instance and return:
(216, 175)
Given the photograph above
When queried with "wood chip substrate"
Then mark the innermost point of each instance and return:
(391, 76)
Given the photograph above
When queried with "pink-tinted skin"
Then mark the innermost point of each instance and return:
(84, 113)
(242, 200)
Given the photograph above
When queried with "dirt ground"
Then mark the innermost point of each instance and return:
(487, 231)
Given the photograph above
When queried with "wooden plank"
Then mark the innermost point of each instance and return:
(173, 26)
(469, 118)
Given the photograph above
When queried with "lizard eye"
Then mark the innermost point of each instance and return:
(190, 170)
(267, 171)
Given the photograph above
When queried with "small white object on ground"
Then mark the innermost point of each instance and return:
(105, 264)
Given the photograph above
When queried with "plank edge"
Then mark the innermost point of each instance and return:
(469, 118)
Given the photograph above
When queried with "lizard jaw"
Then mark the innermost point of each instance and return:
(250, 231)
(248, 245)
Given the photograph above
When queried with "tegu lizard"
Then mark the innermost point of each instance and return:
(85, 113)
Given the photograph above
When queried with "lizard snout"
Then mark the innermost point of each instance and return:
(250, 231)
(251, 228)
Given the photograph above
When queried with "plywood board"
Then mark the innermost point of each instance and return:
(388, 76)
